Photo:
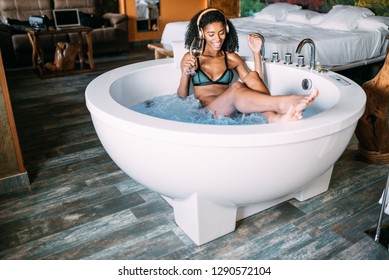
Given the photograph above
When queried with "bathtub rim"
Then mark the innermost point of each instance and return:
(108, 110)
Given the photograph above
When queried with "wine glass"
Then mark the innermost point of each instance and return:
(196, 49)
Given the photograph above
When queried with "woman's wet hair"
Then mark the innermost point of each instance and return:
(230, 44)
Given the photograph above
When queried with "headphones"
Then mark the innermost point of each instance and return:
(206, 11)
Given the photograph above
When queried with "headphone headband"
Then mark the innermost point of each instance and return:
(207, 11)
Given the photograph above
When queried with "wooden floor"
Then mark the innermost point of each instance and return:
(83, 207)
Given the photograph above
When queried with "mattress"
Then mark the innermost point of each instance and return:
(335, 49)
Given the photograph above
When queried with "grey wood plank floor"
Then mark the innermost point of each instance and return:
(82, 206)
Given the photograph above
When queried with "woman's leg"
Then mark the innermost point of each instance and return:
(290, 115)
(240, 98)
(255, 83)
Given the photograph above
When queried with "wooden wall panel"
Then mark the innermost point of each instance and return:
(231, 8)
(13, 175)
(11, 159)
(170, 11)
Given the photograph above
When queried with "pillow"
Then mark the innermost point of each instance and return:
(10, 21)
(14, 26)
(301, 16)
(276, 11)
(316, 19)
(343, 17)
(374, 23)
(91, 20)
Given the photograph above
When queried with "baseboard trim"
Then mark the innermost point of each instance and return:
(15, 183)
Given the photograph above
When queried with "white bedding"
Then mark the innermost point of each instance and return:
(143, 10)
(344, 49)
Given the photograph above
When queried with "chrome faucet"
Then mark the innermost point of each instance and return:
(312, 63)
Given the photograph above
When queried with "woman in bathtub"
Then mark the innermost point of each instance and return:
(214, 72)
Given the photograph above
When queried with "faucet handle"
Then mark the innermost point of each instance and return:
(300, 61)
(288, 58)
(275, 57)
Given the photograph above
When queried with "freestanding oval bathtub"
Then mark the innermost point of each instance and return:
(214, 175)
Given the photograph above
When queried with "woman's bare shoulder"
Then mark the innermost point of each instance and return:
(234, 58)
(185, 57)
(233, 55)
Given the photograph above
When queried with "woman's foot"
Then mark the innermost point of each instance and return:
(307, 100)
(299, 102)
(290, 115)
(294, 112)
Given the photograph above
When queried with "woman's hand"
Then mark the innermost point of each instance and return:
(189, 65)
(255, 43)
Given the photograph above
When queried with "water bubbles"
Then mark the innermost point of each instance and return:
(148, 103)
(189, 110)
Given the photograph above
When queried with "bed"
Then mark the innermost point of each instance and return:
(345, 37)
(147, 10)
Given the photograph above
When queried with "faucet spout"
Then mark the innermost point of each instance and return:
(312, 63)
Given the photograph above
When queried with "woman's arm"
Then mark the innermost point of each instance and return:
(186, 63)
(255, 44)
(250, 78)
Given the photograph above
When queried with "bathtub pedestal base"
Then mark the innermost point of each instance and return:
(203, 220)
(247, 211)
(315, 187)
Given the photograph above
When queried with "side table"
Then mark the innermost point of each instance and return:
(37, 54)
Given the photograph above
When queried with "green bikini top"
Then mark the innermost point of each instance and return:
(202, 79)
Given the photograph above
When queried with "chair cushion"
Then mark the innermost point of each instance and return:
(92, 20)
(86, 6)
(21, 9)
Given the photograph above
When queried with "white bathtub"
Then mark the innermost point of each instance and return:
(215, 175)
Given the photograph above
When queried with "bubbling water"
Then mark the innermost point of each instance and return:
(189, 110)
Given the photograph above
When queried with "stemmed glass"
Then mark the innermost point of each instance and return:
(196, 49)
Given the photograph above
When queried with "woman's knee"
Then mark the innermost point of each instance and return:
(236, 89)
(236, 86)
